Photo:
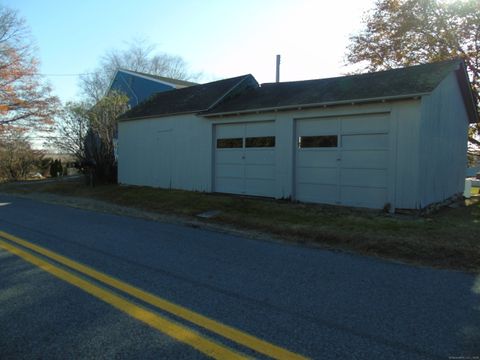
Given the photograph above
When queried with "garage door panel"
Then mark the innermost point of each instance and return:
(260, 172)
(376, 159)
(230, 156)
(365, 124)
(260, 156)
(363, 177)
(317, 175)
(365, 141)
(229, 171)
(259, 187)
(355, 173)
(316, 193)
(365, 197)
(229, 185)
(311, 127)
(309, 158)
(249, 168)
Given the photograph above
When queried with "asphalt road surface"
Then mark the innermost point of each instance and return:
(82, 284)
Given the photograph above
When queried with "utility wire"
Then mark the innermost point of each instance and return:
(66, 74)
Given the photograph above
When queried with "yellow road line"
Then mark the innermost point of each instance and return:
(226, 331)
(156, 321)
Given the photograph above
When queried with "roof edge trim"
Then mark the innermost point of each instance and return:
(120, 119)
(152, 78)
(467, 93)
(315, 105)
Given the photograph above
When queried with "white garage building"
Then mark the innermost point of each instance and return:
(395, 138)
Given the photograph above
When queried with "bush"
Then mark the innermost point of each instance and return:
(56, 168)
(17, 158)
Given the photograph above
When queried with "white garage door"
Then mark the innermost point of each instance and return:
(245, 158)
(343, 160)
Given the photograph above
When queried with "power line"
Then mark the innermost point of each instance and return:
(66, 74)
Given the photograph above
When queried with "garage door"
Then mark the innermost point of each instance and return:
(245, 158)
(343, 160)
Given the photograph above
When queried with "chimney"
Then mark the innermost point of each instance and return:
(277, 77)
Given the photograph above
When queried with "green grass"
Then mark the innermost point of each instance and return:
(449, 238)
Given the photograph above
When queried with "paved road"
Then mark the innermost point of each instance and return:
(316, 303)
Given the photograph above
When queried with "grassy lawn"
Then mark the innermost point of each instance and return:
(449, 238)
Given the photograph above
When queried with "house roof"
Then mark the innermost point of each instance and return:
(391, 84)
(181, 83)
(190, 99)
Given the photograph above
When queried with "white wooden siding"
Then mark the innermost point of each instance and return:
(404, 142)
(141, 153)
(443, 149)
(408, 177)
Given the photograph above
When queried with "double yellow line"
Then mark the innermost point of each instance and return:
(153, 319)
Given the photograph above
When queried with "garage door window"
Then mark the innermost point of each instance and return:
(229, 143)
(320, 141)
(261, 141)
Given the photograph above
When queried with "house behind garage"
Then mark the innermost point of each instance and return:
(138, 86)
(394, 138)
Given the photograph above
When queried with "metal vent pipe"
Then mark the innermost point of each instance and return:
(277, 77)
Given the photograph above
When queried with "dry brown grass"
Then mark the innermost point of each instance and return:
(447, 239)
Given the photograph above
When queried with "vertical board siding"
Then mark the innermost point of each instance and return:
(191, 146)
(404, 158)
(426, 142)
(443, 150)
(143, 145)
(284, 128)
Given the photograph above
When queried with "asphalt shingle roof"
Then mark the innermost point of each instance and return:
(379, 85)
(242, 93)
(186, 100)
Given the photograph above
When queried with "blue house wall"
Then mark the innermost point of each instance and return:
(137, 88)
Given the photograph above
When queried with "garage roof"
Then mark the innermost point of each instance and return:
(191, 99)
(391, 84)
(242, 94)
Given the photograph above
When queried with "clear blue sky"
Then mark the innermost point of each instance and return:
(220, 38)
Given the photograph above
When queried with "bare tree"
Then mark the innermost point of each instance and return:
(25, 99)
(103, 118)
(71, 130)
(99, 146)
(139, 56)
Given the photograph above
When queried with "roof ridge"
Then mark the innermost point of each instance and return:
(371, 73)
(230, 91)
(199, 85)
(190, 99)
(159, 77)
(387, 85)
